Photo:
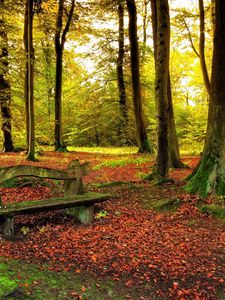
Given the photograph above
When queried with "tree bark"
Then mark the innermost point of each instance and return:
(202, 48)
(60, 39)
(5, 88)
(29, 79)
(141, 132)
(120, 75)
(161, 88)
(209, 177)
(174, 155)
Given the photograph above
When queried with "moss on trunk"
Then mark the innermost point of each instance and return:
(208, 179)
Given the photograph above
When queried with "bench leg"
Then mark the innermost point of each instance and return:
(84, 213)
(8, 227)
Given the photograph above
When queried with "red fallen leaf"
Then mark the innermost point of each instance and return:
(83, 288)
(175, 285)
(73, 293)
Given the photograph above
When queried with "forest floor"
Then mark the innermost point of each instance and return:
(147, 242)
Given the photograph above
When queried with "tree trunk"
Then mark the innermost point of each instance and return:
(174, 155)
(30, 89)
(60, 39)
(202, 48)
(209, 176)
(25, 39)
(161, 88)
(120, 75)
(58, 100)
(5, 89)
(144, 26)
(141, 132)
(29, 80)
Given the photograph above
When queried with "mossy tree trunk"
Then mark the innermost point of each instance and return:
(209, 176)
(141, 132)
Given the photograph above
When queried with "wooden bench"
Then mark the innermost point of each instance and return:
(76, 202)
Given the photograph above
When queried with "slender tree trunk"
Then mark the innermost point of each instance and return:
(5, 89)
(202, 48)
(26, 83)
(120, 75)
(209, 177)
(141, 133)
(58, 100)
(174, 153)
(60, 39)
(144, 26)
(30, 54)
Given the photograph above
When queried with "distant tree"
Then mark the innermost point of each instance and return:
(29, 78)
(141, 132)
(120, 74)
(60, 39)
(209, 176)
(5, 88)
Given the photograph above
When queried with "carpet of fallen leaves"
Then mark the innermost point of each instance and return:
(179, 255)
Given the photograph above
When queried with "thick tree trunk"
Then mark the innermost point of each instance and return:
(161, 88)
(174, 155)
(120, 75)
(209, 177)
(141, 133)
(5, 89)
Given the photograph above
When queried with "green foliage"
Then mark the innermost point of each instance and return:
(101, 214)
(25, 230)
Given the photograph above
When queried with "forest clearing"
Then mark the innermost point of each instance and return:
(112, 162)
(141, 244)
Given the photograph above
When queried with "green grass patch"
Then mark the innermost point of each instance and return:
(42, 284)
(113, 163)
(7, 286)
(214, 209)
(105, 150)
(162, 205)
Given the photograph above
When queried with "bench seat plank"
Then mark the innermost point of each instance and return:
(52, 203)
